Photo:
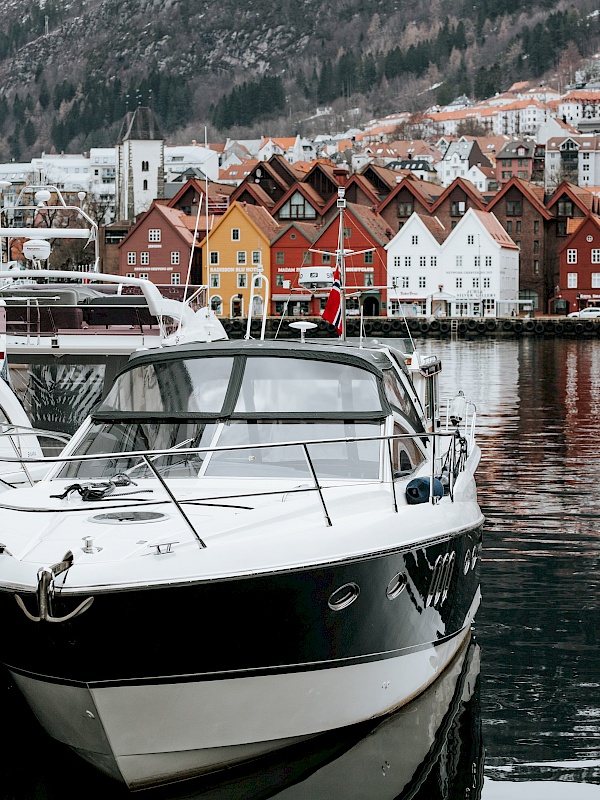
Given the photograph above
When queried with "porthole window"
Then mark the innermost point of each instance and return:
(343, 597)
(396, 586)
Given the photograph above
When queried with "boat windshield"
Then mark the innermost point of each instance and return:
(334, 460)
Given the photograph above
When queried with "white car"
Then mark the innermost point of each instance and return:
(586, 313)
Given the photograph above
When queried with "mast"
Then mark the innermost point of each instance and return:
(340, 261)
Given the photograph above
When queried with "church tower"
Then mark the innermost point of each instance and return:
(140, 171)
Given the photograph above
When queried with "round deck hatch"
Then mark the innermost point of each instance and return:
(128, 517)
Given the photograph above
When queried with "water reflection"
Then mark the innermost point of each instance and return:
(430, 749)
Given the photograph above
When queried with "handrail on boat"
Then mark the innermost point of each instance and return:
(455, 462)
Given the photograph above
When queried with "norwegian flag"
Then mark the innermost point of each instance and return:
(333, 310)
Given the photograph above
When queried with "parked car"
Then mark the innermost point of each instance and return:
(586, 313)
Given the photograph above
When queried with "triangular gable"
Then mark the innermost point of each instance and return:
(584, 200)
(258, 217)
(525, 188)
(488, 223)
(589, 221)
(170, 216)
(254, 194)
(425, 192)
(467, 187)
(309, 232)
(430, 226)
(308, 193)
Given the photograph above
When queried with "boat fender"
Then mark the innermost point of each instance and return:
(417, 490)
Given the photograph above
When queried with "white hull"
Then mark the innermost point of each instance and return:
(149, 734)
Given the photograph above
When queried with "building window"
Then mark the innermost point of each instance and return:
(369, 278)
(216, 303)
(368, 259)
(422, 282)
(476, 283)
(595, 256)
(405, 282)
(477, 261)
(175, 257)
(144, 276)
(571, 256)
(279, 279)
(518, 227)
(433, 261)
(154, 235)
(215, 280)
(536, 267)
(241, 257)
(407, 261)
(488, 261)
(405, 209)
(457, 208)
(509, 226)
(536, 226)
(414, 240)
(422, 261)
(130, 259)
(459, 261)
(595, 280)
(145, 186)
(347, 233)
(256, 257)
(536, 246)
(486, 283)
(214, 257)
(175, 279)
(306, 258)
(397, 261)
(326, 258)
(572, 280)
(130, 274)
(145, 166)
(242, 280)
(514, 208)
(565, 208)
(470, 239)
(459, 283)
(235, 234)
(279, 257)
(144, 259)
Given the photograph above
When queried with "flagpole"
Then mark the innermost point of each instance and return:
(340, 260)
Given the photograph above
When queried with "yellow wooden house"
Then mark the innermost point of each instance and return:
(236, 248)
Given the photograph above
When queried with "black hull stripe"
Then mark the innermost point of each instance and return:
(243, 673)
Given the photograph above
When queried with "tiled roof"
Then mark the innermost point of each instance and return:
(495, 230)
(262, 219)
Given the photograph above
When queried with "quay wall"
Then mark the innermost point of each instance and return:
(386, 327)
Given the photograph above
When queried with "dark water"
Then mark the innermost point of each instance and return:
(519, 715)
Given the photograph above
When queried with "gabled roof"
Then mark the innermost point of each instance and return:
(309, 231)
(510, 149)
(215, 190)
(467, 187)
(307, 191)
(494, 228)
(425, 192)
(365, 186)
(583, 199)
(258, 217)
(534, 193)
(255, 191)
(373, 223)
(238, 172)
(435, 227)
(431, 224)
(575, 226)
(183, 224)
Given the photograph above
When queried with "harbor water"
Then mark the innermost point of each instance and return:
(518, 713)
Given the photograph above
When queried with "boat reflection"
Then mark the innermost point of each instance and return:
(430, 749)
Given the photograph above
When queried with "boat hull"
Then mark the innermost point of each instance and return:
(168, 682)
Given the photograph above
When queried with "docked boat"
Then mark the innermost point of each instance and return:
(247, 544)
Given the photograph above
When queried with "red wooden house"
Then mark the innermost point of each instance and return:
(579, 283)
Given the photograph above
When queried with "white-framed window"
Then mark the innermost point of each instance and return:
(459, 261)
(215, 280)
(397, 261)
(433, 261)
(488, 261)
(422, 261)
(175, 256)
(571, 256)
(595, 280)
(256, 257)
(486, 283)
(175, 278)
(405, 282)
(571, 280)
(459, 283)
(470, 239)
(242, 280)
(154, 234)
(130, 274)
(145, 258)
(214, 257)
(368, 278)
(596, 255)
(235, 234)
(414, 240)
(407, 261)
(216, 303)
(477, 261)
(131, 258)
(241, 257)
(144, 276)
(476, 283)
(422, 282)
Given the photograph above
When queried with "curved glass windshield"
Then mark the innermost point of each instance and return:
(298, 385)
(348, 460)
(196, 384)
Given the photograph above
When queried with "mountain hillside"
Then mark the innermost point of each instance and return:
(69, 69)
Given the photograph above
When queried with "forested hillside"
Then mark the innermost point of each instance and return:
(69, 69)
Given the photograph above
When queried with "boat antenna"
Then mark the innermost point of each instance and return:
(187, 279)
